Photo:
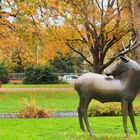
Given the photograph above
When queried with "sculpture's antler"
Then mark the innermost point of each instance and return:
(131, 46)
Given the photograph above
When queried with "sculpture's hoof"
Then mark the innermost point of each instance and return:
(91, 134)
(83, 129)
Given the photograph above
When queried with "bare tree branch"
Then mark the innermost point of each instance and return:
(8, 24)
(69, 44)
(98, 5)
(108, 63)
(42, 16)
(116, 38)
(34, 22)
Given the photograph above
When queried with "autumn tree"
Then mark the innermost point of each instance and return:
(17, 32)
(134, 11)
(98, 28)
(5, 33)
(8, 39)
(93, 29)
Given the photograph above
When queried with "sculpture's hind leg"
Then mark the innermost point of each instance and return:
(80, 108)
(131, 115)
(86, 103)
(124, 105)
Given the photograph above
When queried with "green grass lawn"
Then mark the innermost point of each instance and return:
(104, 128)
(51, 100)
(37, 85)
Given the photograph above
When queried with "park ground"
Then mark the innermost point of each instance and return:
(104, 128)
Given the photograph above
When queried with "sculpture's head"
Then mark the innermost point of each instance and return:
(119, 67)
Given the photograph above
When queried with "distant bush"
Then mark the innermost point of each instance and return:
(3, 73)
(109, 109)
(137, 110)
(40, 75)
(63, 65)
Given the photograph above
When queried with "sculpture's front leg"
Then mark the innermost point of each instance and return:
(131, 115)
(124, 105)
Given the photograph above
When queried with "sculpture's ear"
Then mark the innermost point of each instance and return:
(124, 59)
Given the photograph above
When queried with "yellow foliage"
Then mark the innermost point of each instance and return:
(43, 28)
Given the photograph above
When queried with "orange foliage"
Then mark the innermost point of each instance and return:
(44, 27)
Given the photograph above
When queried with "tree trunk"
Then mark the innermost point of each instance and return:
(98, 66)
(137, 25)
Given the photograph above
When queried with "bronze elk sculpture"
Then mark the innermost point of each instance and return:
(123, 87)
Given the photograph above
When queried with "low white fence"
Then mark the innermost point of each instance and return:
(21, 76)
(16, 76)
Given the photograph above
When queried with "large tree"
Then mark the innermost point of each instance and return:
(17, 32)
(7, 30)
(137, 24)
(99, 28)
(134, 20)
(94, 29)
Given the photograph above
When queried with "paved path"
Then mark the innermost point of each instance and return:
(34, 89)
(59, 114)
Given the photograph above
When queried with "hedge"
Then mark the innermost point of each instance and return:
(40, 75)
(108, 109)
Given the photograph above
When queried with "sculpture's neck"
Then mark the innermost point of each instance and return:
(131, 80)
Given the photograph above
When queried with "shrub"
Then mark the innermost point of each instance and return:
(137, 110)
(108, 109)
(3, 73)
(34, 112)
(31, 110)
(40, 75)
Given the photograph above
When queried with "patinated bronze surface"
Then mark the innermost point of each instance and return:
(122, 86)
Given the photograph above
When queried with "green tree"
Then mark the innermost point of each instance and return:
(3, 73)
